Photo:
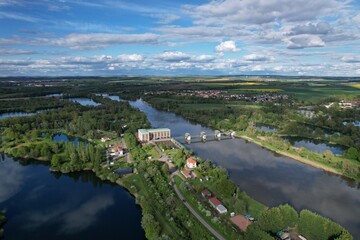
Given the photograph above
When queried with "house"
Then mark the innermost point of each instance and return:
(241, 222)
(118, 151)
(105, 138)
(221, 209)
(186, 172)
(206, 193)
(191, 163)
(214, 202)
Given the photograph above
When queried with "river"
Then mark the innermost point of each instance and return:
(270, 178)
(45, 205)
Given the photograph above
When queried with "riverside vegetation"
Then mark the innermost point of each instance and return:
(2, 223)
(164, 215)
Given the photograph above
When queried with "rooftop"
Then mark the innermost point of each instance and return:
(241, 222)
(153, 130)
(191, 160)
(221, 208)
(215, 201)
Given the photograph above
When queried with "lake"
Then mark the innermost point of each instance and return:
(14, 114)
(265, 128)
(45, 205)
(84, 101)
(268, 177)
(315, 145)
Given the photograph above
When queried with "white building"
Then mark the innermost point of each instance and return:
(146, 135)
(191, 163)
(221, 209)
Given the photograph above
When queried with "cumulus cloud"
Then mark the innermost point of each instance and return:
(350, 59)
(262, 12)
(258, 58)
(99, 40)
(319, 28)
(173, 56)
(131, 57)
(12, 52)
(304, 41)
(227, 46)
(165, 18)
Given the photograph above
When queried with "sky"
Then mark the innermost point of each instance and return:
(182, 37)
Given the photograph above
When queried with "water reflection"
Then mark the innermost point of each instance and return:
(41, 205)
(313, 145)
(84, 101)
(11, 180)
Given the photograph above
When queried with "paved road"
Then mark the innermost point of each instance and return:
(198, 217)
(128, 157)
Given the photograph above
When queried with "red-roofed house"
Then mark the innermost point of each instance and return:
(214, 202)
(105, 138)
(186, 173)
(206, 193)
(241, 222)
(191, 163)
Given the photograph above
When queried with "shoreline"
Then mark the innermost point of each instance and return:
(296, 158)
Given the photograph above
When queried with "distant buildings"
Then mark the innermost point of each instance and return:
(219, 94)
(146, 135)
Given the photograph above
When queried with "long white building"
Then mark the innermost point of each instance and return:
(146, 135)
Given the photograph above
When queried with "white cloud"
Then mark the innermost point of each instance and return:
(17, 16)
(319, 28)
(262, 12)
(165, 18)
(227, 46)
(13, 52)
(350, 59)
(131, 58)
(173, 56)
(258, 58)
(100, 40)
(304, 41)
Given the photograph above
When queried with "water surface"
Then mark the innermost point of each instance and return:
(45, 205)
(314, 145)
(269, 178)
(84, 101)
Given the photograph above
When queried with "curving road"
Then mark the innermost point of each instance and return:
(198, 217)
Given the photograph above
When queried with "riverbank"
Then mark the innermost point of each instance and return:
(293, 156)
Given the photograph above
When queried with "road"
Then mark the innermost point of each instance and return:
(198, 217)
(128, 157)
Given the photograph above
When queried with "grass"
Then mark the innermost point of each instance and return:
(357, 85)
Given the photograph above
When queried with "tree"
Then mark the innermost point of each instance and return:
(254, 232)
(328, 155)
(151, 227)
(352, 153)
(55, 161)
(289, 214)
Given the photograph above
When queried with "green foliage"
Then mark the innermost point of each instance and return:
(254, 232)
(313, 226)
(277, 218)
(353, 153)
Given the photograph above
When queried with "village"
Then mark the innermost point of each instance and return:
(221, 94)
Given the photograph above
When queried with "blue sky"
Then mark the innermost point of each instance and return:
(183, 37)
